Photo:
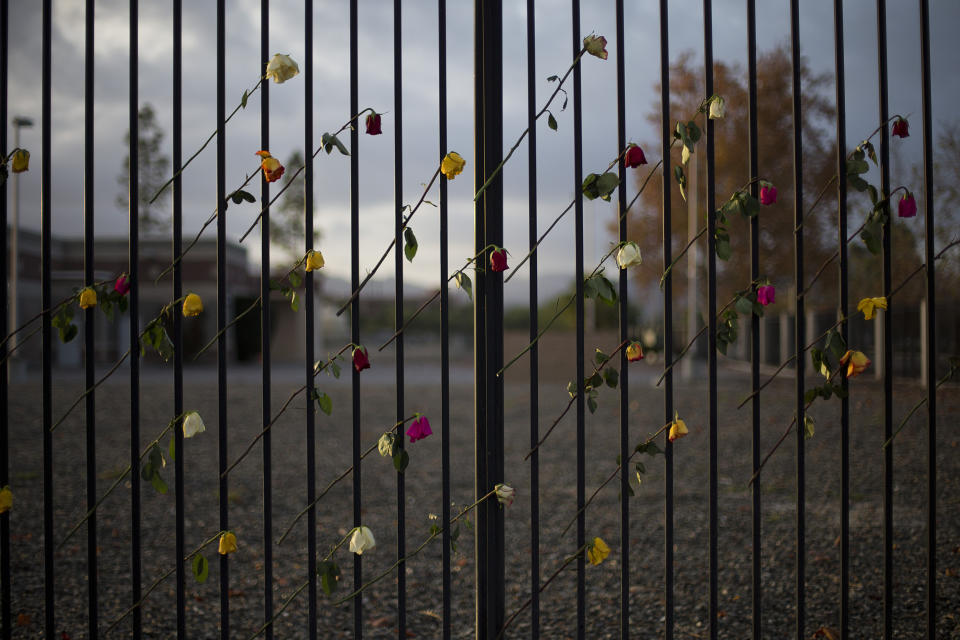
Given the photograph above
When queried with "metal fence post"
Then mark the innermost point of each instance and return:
(488, 316)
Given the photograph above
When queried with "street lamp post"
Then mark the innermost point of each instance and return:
(18, 123)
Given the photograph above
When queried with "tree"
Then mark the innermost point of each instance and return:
(775, 146)
(287, 217)
(154, 170)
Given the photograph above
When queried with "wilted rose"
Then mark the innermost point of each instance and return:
(281, 68)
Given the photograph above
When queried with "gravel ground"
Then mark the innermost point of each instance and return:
(557, 506)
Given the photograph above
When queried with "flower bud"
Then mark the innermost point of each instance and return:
(360, 359)
(192, 306)
(766, 294)
(718, 107)
(6, 499)
(452, 165)
(192, 425)
(597, 551)
(596, 46)
(901, 128)
(362, 540)
(281, 68)
(505, 493)
(88, 298)
(907, 207)
(498, 260)
(228, 543)
(768, 194)
(20, 161)
(856, 362)
(373, 124)
(629, 255)
(634, 351)
(272, 169)
(314, 260)
(122, 285)
(678, 428)
(634, 157)
(419, 429)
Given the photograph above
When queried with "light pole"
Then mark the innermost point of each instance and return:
(18, 123)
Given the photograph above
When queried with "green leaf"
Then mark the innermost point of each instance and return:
(386, 444)
(606, 184)
(811, 394)
(681, 181)
(640, 468)
(324, 403)
(750, 205)
(874, 196)
(693, 131)
(329, 141)
(593, 381)
(294, 300)
(721, 344)
(553, 79)
(401, 459)
(836, 344)
(590, 288)
(463, 281)
(551, 121)
(611, 377)
(572, 389)
(857, 183)
(295, 279)
(744, 305)
(243, 100)
(592, 404)
(410, 248)
(807, 427)
(871, 152)
(872, 236)
(857, 166)
(329, 576)
(201, 568)
(589, 187)
(335, 369)
(605, 290)
(68, 333)
(156, 458)
(164, 345)
(158, 483)
(601, 357)
(722, 246)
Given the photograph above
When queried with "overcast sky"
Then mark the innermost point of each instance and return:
(420, 115)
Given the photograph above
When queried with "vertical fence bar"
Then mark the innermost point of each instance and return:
(756, 513)
(221, 186)
(625, 451)
(265, 330)
(89, 320)
(355, 305)
(6, 625)
(887, 348)
(931, 328)
(444, 321)
(177, 218)
(47, 357)
(711, 319)
(799, 323)
(534, 323)
(310, 355)
(843, 310)
(578, 252)
(133, 211)
(488, 316)
(398, 308)
(666, 184)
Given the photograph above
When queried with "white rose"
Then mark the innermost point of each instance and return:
(192, 425)
(505, 493)
(629, 255)
(281, 68)
(718, 107)
(362, 540)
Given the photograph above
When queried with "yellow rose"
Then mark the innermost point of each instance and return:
(20, 161)
(314, 260)
(192, 306)
(281, 68)
(6, 499)
(718, 108)
(869, 306)
(678, 428)
(597, 551)
(452, 165)
(88, 298)
(228, 543)
(856, 362)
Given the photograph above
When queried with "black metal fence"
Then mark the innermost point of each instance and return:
(490, 578)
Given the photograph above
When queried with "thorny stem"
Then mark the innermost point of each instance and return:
(614, 475)
(348, 124)
(333, 482)
(523, 135)
(204, 145)
(19, 344)
(156, 583)
(596, 370)
(529, 600)
(405, 222)
(286, 404)
(692, 340)
(903, 423)
(146, 451)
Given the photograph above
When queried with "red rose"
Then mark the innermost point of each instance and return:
(634, 157)
(498, 260)
(373, 124)
(900, 128)
(360, 360)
